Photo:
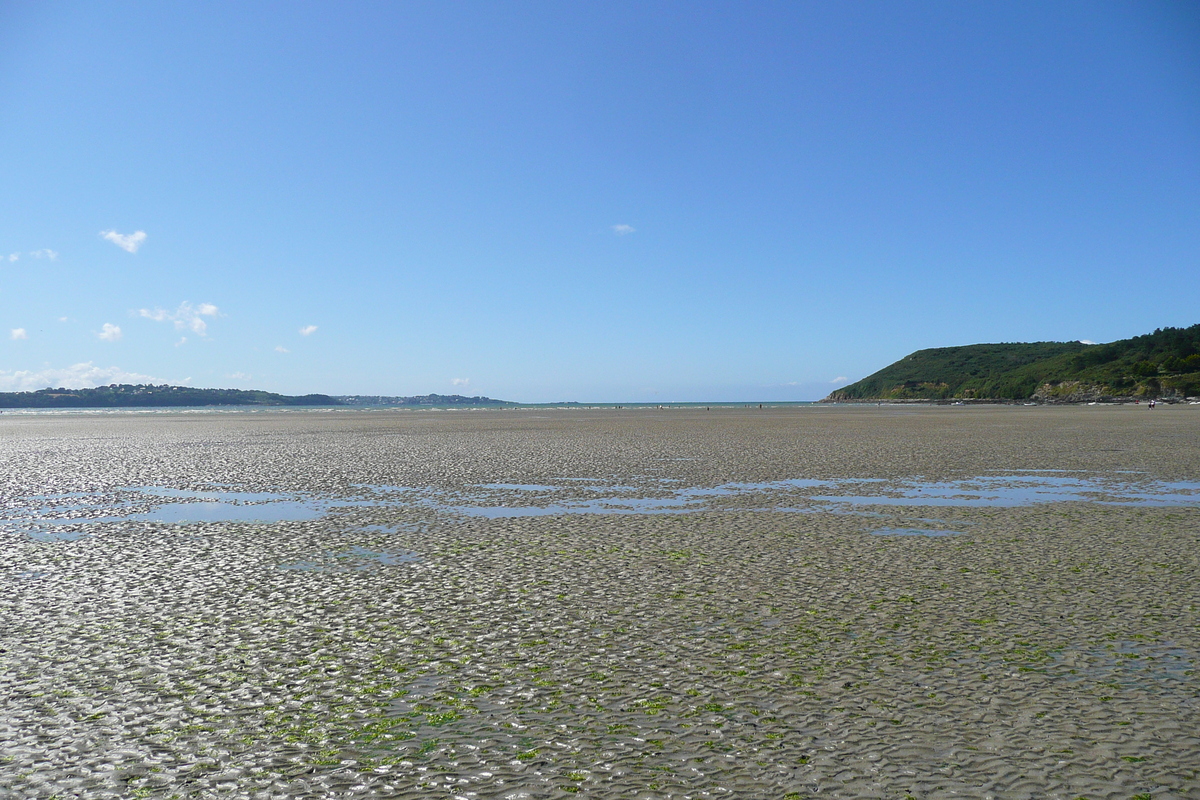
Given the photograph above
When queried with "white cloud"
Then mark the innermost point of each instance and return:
(13, 256)
(840, 379)
(19, 333)
(623, 230)
(45, 253)
(186, 318)
(281, 349)
(308, 330)
(129, 242)
(77, 376)
(62, 319)
(110, 332)
(239, 376)
(182, 340)
(460, 381)
(1086, 341)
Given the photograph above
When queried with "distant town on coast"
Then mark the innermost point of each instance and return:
(145, 395)
(1162, 365)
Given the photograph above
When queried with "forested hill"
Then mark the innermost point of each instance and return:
(1165, 363)
(123, 395)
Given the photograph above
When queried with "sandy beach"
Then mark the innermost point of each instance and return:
(849, 602)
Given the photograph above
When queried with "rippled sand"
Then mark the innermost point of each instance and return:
(764, 644)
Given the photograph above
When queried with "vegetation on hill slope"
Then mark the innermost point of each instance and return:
(1165, 363)
(119, 395)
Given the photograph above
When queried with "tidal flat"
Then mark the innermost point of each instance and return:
(848, 602)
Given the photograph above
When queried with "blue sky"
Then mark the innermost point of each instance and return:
(585, 201)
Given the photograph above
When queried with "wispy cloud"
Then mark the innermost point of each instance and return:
(45, 252)
(186, 318)
(110, 332)
(129, 242)
(13, 256)
(281, 349)
(78, 376)
(308, 330)
(623, 230)
(461, 381)
(19, 333)
(239, 376)
(840, 379)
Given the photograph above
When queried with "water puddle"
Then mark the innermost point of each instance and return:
(1026, 489)
(621, 499)
(33, 573)
(612, 505)
(68, 516)
(218, 496)
(520, 487)
(845, 496)
(57, 535)
(212, 511)
(913, 532)
(1127, 663)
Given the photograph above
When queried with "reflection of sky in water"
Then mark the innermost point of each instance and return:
(53, 519)
(213, 511)
(913, 532)
(1129, 663)
(222, 496)
(520, 487)
(49, 520)
(606, 506)
(64, 516)
(53, 535)
(1022, 490)
(1014, 489)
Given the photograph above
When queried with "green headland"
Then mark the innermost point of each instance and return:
(1164, 364)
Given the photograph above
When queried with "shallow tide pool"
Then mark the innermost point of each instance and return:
(72, 515)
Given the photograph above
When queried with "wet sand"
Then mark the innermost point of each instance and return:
(402, 643)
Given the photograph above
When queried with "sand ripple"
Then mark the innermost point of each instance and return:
(402, 650)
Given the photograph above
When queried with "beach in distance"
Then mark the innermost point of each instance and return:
(795, 601)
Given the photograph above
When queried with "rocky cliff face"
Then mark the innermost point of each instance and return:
(1079, 392)
(1074, 392)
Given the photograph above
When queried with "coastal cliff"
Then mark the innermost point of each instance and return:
(1164, 364)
